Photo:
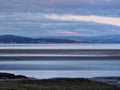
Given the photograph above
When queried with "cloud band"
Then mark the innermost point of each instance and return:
(97, 19)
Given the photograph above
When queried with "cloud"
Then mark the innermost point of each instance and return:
(38, 24)
(46, 5)
(67, 33)
(72, 33)
(18, 3)
(46, 17)
(97, 19)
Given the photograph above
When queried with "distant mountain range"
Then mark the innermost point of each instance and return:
(93, 39)
(20, 39)
(61, 39)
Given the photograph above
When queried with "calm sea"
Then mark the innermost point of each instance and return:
(61, 68)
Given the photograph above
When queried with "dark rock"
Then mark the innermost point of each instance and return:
(11, 76)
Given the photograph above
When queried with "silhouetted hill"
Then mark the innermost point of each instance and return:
(61, 39)
(14, 39)
(20, 39)
(92, 39)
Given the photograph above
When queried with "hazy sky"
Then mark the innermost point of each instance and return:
(59, 17)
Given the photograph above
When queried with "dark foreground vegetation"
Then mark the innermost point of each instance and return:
(55, 84)
(10, 81)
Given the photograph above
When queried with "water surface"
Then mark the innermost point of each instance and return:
(61, 68)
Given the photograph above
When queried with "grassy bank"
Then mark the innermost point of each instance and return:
(55, 84)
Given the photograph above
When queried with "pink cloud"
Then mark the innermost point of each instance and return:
(98, 19)
(71, 33)
(67, 33)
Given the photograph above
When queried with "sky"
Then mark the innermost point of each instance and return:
(59, 17)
